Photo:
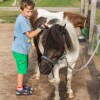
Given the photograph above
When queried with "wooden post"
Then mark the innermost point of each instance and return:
(86, 8)
(82, 7)
(92, 22)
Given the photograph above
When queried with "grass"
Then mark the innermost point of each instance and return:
(98, 16)
(56, 3)
(95, 44)
(9, 17)
(6, 3)
(46, 3)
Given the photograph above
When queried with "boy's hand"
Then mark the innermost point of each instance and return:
(42, 27)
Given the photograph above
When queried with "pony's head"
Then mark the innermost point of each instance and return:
(54, 42)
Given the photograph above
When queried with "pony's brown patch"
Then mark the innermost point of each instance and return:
(76, 19)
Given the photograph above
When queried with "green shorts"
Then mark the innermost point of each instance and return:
(21, 62)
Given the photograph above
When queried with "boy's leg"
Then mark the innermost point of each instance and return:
(22, 67)
(20, 78)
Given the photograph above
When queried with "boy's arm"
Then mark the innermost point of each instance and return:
(32, 34)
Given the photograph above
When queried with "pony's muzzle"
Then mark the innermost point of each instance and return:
(45, 69)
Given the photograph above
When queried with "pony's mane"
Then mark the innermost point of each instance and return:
(54, 38)
(53, 21)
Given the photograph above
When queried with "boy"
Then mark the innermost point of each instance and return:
(21, 46)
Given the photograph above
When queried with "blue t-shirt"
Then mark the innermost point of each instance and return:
(20, 43)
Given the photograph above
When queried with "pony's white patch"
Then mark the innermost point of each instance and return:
(72, 56)
(40, 45)
(45, 13)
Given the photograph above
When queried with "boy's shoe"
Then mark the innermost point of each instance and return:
(29, 88)
(24, 92)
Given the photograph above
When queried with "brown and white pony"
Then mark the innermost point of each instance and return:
(76, 19)
(57, 47)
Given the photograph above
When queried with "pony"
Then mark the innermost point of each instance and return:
(57, 47)
(76, 19)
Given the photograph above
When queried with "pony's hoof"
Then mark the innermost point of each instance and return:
(57, 98)
(70, 95)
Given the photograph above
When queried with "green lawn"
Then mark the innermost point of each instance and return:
(6, 3)
(10, 16)
(56, 3)
(47, 3)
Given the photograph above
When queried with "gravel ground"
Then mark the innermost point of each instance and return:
(85, 84)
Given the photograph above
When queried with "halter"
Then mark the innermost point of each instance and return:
(53, 62)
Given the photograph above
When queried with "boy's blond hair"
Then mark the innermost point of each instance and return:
(25, 3)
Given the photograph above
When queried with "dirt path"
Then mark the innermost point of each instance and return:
(85, 84)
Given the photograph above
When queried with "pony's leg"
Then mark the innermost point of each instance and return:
(56, 83)
(37, 71)
(69, 79)
(50, 77)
